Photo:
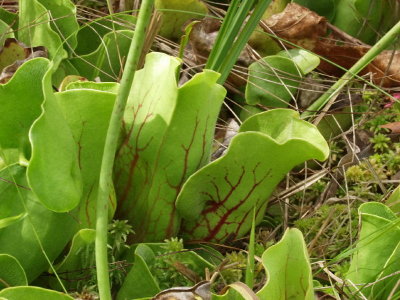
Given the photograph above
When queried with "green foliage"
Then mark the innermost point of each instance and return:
(364, 18)
(58, 157)
(273, 80)
(288, 269)
(376, 255)
(11, 272)
(40, 232)
(342, 229)
(380, 142)
(35, 29)
(31, 293)
(217, 201)
(167, 136)
(175, 13)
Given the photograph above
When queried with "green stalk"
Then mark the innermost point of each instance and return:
(111, 147)
(230, 29)
(381, 45)
(241, 41)
(222, 34)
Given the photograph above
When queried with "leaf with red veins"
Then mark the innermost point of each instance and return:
(216, 201)
(168, 132)
(87, 112)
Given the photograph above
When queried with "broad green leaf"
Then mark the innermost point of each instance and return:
(175, 13)
(35, 29)
(63, 14)
(377, 252)
(54, 230)
(91, 33)
(11, 272)
(363, 19)
(167, 136)
(139, 282)
(53, 172)
(9, 18)
(87, 113)
(32, 293)
(272, 81)
(288, 269)
(77, 263)
(216, 202)
(9, 157)
(106, 61)
(326, 8)
(20, 100)
(305, 60)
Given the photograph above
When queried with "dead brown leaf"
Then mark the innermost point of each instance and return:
(13, 54)
(307, 29)
(394, 127)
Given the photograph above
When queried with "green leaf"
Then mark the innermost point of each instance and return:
(216, 202)
(87, 113)
(363, 19)
(272, 81)
(32, 293)
(63, 14)
(90, 35)
(19, 240)
(73, 267)
(377, 253)
(175, 13)
(305, 60)
(53, 172)
(9, 18)
(288, 269)
(167, 136)
(11, 272)
(326, 8)
(35, 29)
(139, 282)
(20, 100)
(105, 62)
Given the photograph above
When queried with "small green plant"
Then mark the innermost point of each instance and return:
(380, 142)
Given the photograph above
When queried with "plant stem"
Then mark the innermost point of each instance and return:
(381, 45)
(111, 147)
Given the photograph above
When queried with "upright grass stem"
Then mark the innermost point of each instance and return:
(381, 45)
(111, 147)
(233, 36)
